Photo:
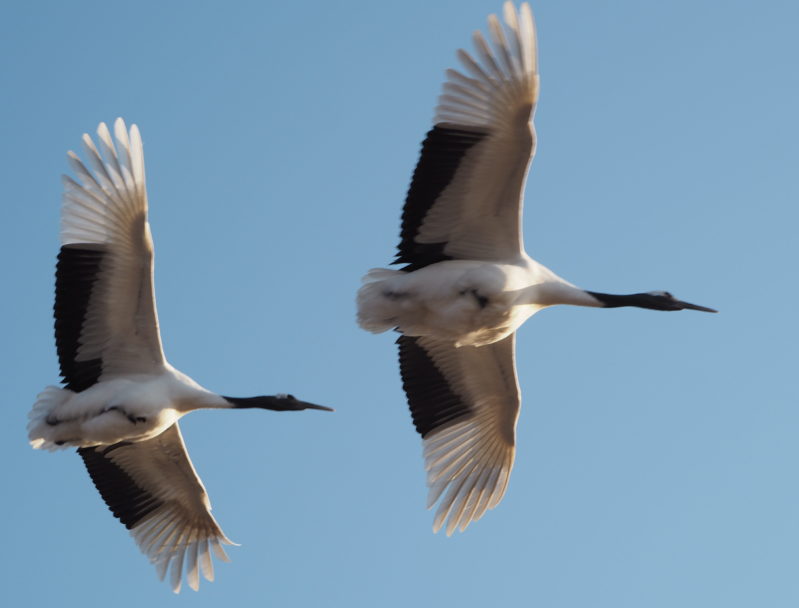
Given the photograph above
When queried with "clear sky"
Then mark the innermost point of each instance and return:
(658, 462)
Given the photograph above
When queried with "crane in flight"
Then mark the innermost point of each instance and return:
(122, 400)
(467, 284)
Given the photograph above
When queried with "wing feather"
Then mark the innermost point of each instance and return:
(472, 210)
(111, 314)
(153, 489)
(465, 403)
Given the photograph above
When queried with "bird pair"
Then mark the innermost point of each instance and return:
(465, 288)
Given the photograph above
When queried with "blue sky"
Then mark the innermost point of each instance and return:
(657, 461)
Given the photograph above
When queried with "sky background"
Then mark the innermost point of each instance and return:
(658, 461)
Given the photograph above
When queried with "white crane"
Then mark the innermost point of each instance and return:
(467, 284)
(122, 400)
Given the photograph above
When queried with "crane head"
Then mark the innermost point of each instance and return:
(663, 300)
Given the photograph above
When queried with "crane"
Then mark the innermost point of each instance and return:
(467, 284)
(121, 399)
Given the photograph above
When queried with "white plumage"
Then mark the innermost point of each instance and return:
(122, 400)
(467, 283)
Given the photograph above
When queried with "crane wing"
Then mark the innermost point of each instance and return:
(464, 402)
(152, 488)
(465, 198)
(105, 316)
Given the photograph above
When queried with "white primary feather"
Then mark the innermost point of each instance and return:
(478, 215)
(469, 460)
(182, 529)
(108, 210)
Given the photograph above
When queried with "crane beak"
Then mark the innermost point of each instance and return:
(303, 405)
(688, 306)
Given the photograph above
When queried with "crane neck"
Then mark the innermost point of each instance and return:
(554, 292)
(610, 300)
(262, 402)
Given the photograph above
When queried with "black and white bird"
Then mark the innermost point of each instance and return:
(467, 284)
(122, 400)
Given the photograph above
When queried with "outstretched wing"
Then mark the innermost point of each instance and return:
(105, 316)
(464, 402)
(151, 487)
(465, 199)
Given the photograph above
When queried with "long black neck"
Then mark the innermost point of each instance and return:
(639, 300)
(264, 402)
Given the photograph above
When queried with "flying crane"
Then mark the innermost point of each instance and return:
(122, 400)
(467, 283)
